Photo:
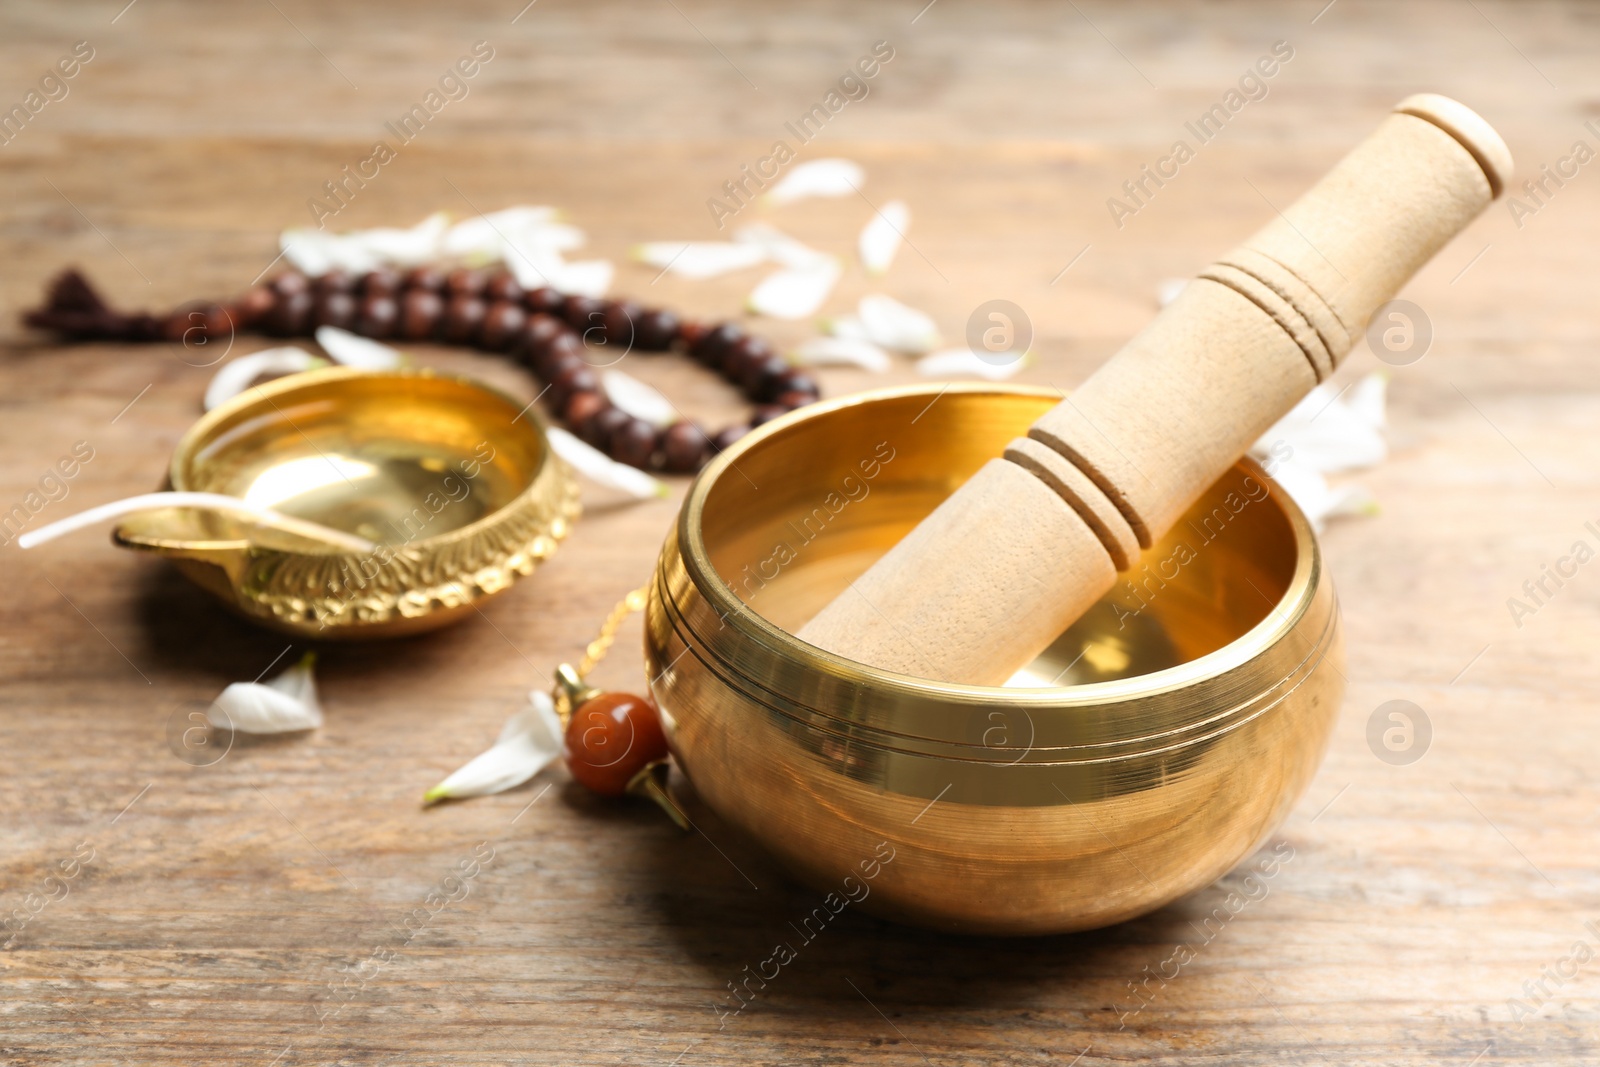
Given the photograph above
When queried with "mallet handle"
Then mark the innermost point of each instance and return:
(1036, 537)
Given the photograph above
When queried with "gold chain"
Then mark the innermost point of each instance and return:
(598, 648)
(571, 691)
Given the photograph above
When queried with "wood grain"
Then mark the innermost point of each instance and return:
(222, 903)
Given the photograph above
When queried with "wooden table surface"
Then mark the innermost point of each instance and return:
(226, 910)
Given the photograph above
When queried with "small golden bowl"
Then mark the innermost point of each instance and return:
(453, 481)
(1152, 747)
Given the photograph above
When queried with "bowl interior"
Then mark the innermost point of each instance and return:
(394, 458)
(807, 509)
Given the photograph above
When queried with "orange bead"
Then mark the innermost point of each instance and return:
(611, 738)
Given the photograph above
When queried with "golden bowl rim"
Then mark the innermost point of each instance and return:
(1279, 621)
(199, 431)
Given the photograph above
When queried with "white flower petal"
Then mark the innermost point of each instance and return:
(956, 362)
(412, 247)
(556, 236)
(533, 255)
(485, 239)
(779, 246)
(523, 216)
(532, 247)
(315, 253)
(237, 375)
(533, 267)
(304, 251)
(353, 350)
(1320, 501)
(539, 719)
(529, 742)
(589, 277)
(881, 238)
(846, 351)
(700, 259)
(298, 682)
(1354, 500)
(633, 397)
(1169, 289)
(889, 323)
(820, 177)
(251, 708)
(472, 238)
(849, 328)
(1367, 399)
(1327, 433)
(482, 236)
(603, 470)
(283, 705)
(795, 293)
(1338, 441)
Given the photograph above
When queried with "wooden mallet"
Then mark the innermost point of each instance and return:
(1037, 536)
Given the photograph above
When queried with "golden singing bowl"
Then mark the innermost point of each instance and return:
(1153, 746)
(453, 482)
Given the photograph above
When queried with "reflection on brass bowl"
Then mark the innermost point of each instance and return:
(1152, 747)
(459, 491)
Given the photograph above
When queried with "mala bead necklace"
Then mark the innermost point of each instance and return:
(542, 329)
(613, 742)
